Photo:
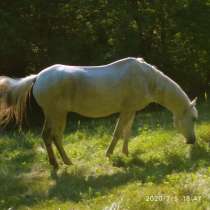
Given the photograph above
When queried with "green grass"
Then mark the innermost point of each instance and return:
(161, 172)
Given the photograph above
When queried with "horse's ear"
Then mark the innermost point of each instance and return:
(193, 103)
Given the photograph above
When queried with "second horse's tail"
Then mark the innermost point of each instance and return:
(13, 98)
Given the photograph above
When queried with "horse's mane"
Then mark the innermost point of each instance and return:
(162, 83)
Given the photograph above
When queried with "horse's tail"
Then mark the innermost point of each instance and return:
(13, 98)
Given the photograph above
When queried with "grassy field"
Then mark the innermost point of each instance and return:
(161, 172)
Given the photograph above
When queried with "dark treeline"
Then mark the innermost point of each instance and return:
(171, 34)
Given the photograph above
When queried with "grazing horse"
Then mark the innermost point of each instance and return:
(124, 87)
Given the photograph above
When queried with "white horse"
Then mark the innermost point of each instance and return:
(124, 86)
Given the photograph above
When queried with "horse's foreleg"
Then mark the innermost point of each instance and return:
(127, 132)
(123, 120)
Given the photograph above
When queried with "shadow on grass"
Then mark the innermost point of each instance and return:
(76, 187)
(155, 170)
(16, 157)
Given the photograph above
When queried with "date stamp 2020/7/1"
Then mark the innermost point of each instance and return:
(172, 198)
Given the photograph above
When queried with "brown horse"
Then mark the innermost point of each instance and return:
(125, 86)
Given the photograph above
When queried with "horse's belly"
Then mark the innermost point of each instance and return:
(97, 105)
(95, 113)
(101, 105)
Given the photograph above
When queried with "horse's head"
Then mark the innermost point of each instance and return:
(185, 123)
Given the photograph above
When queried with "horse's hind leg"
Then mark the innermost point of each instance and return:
(58, 143)
(122, 122)
(57, 122)
(46, 135)
(58, 125)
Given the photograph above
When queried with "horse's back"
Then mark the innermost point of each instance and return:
(57, 74)
(91, 91)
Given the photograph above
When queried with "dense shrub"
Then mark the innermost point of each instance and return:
(173, 35)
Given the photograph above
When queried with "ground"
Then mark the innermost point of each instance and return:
(161, 171)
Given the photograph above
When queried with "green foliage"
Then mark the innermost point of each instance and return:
(174, 35)
(160, 166)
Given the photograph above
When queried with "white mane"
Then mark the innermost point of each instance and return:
(167, 92)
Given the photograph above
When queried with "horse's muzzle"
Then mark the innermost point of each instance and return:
(191, 140)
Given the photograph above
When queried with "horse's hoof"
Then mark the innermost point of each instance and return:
(125, 152)
(54, 165)
(53, 173)
(68, 162)
(108, 154)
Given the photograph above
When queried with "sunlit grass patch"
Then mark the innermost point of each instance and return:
(160, 168)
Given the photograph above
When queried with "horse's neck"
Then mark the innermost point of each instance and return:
(169, 94)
